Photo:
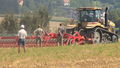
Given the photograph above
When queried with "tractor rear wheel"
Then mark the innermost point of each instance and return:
(96, 37)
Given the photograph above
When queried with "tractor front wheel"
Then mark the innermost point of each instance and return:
(114, 38)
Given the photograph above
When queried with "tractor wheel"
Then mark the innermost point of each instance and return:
(96, 37)
(106, 38)
(114, 38)
(81, 31)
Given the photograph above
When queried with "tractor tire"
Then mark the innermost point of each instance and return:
(96, 37)
(106, 38)
(114, 38)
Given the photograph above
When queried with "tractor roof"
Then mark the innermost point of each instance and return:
(89, 8)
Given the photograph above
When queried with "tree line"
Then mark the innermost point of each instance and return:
(53, 5)
(11, 23)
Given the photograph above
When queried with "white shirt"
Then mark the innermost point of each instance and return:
(22, 34)
(61, 29)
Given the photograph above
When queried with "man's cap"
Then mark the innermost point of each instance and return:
(39, 26)
(22, 26)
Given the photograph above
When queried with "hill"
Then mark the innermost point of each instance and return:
(53, 5)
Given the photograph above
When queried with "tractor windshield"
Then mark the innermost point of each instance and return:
(89, 15)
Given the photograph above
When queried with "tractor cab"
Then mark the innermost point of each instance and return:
(89, 14)
(90, 17)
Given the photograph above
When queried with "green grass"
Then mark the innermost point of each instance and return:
(57, 56)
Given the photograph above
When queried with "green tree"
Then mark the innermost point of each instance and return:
(9, 24)
(32, 20)
(114, 15)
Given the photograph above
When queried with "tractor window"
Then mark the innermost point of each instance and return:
(89, 15)
(98, 14)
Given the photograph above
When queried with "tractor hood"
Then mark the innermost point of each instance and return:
(71, 26)
(92, 24)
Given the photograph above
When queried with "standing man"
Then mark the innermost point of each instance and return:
(61, 31)
(39, 33)
(22, 36)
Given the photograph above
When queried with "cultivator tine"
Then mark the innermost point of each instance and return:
(48, 40)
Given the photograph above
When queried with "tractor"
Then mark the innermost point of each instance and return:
(93, 23)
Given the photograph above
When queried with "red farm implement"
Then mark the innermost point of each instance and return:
(49, 39)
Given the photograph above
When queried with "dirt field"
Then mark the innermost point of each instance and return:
(105, 62)
(73, 56)
(54, 26)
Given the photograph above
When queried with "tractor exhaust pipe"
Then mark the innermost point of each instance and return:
(106, 17)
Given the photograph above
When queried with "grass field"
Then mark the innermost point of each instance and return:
(82, 56)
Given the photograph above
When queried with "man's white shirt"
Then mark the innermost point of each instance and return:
(22, 34)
